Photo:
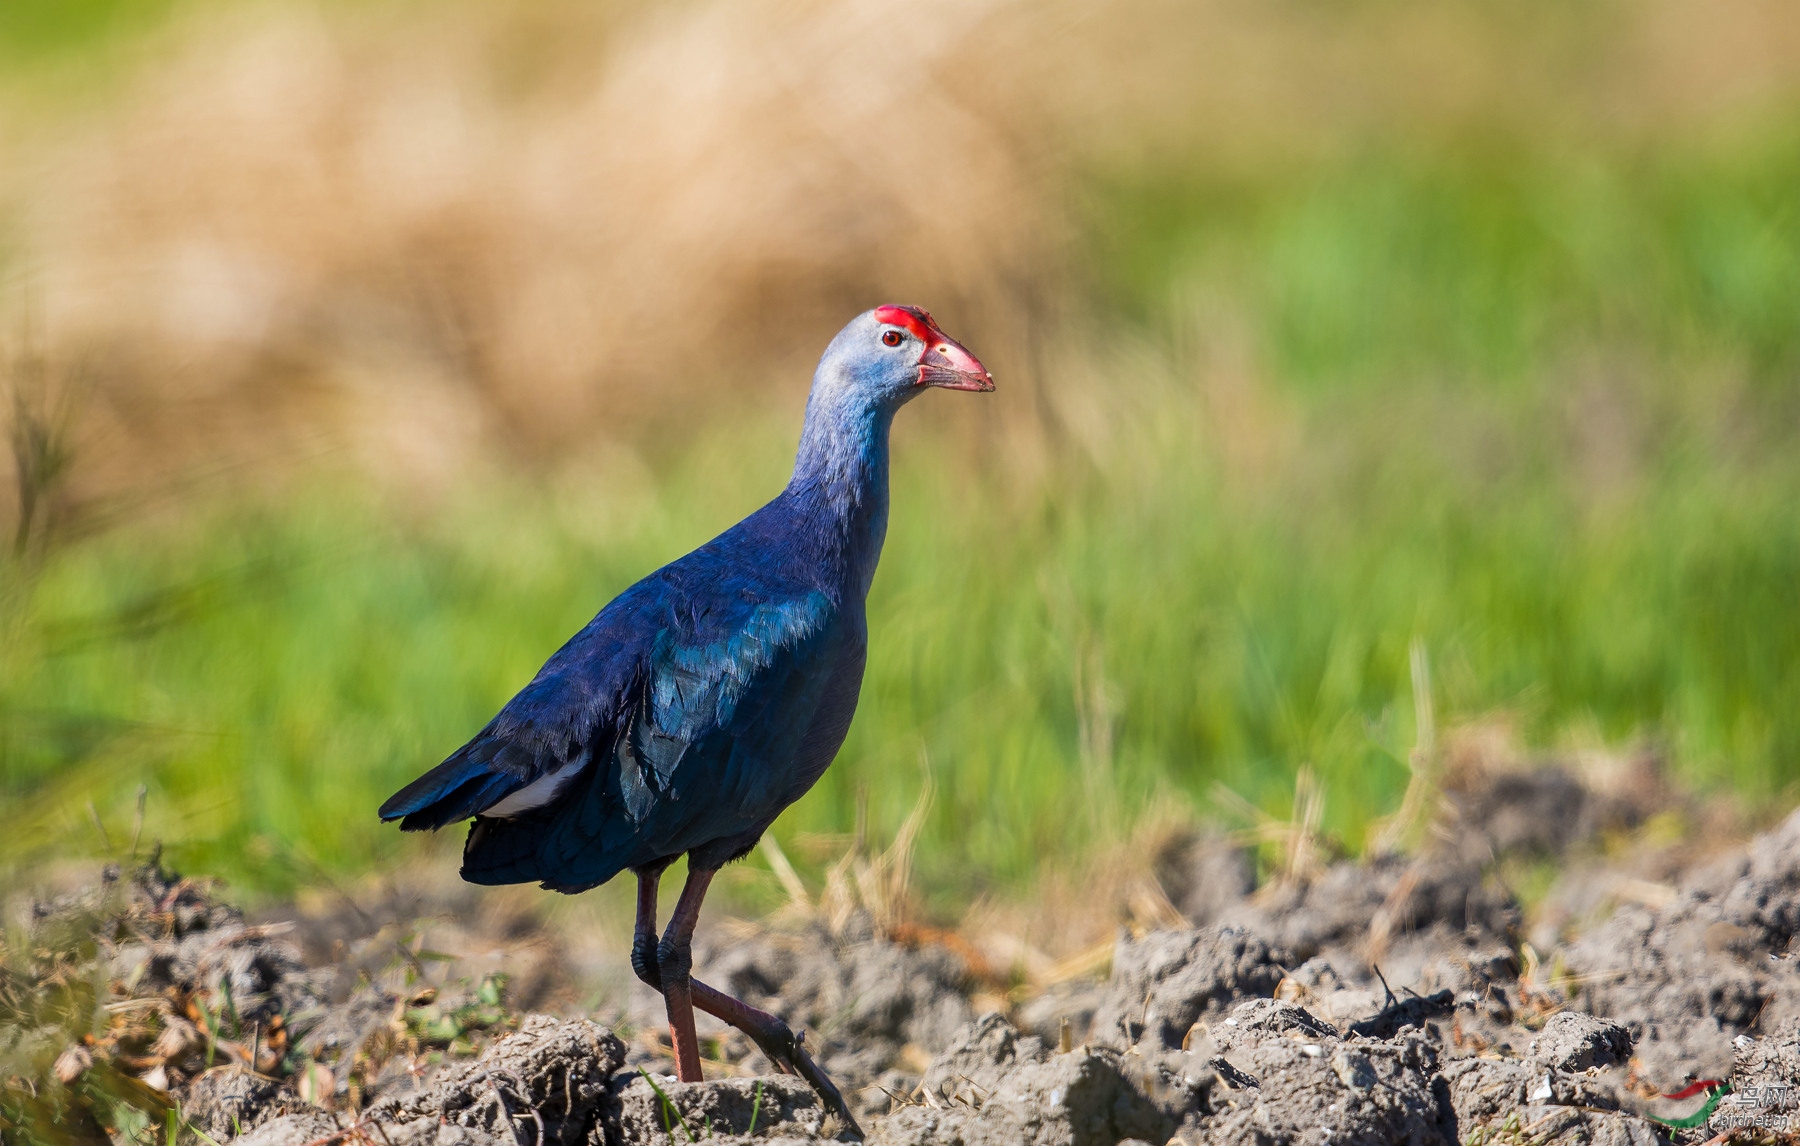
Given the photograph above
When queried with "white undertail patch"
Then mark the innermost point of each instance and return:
(539, 792)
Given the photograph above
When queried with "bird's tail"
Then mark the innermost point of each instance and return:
(459, 788)
(571, 846)
(514, 851)
(502, 851)
(560, 845)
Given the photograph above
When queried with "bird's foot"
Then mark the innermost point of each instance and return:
(802, 1064)
(780, 1044)
(790, 1057)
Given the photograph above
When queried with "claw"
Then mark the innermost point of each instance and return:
(787, 1050)
(821, 1083)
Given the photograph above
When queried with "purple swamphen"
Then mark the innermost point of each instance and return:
(707, 697)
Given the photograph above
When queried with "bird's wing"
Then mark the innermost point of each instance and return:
(703, 750)
(548, 733)
(744, 683)
(661, 716)
(725, 701)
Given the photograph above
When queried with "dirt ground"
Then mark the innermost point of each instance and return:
(1406, 998)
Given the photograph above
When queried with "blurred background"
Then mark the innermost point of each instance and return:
(1378, 381)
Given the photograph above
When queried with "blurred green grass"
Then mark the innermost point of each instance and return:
(30, 28)
(1533, 410)
(39, 36)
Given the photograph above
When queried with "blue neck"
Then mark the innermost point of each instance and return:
(841, 482)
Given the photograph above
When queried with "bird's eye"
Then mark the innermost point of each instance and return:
(892, 337)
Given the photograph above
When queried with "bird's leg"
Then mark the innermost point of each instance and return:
(655, 965)
(675, 962)
(778, 1041)
(643, 936)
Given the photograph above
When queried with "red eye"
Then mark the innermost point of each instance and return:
(892, 337)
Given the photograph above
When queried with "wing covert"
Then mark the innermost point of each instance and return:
(705, 689)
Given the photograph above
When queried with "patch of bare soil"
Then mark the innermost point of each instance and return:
(1396, 999)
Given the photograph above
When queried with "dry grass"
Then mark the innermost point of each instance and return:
(1300, 850)
(304, 222)
(422, 237)
(1065, 930)
(1405, 828)
(1069, 924)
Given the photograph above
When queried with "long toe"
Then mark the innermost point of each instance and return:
(779, 1042)
(823, 1086)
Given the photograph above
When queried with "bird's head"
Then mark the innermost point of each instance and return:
(891, 354)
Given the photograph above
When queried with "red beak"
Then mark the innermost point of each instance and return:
(949, 366)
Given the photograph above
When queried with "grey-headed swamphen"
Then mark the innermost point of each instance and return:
(707, 697)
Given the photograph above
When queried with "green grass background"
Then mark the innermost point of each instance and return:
(1534, 409)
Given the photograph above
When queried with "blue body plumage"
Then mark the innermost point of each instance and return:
(712, 694)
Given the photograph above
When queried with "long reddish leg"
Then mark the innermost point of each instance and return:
(675, 964)
(777, 1040)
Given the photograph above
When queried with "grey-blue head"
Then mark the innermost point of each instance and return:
(883, 359)
(889, 355)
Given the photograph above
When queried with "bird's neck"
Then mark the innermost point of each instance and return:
(841, 481)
